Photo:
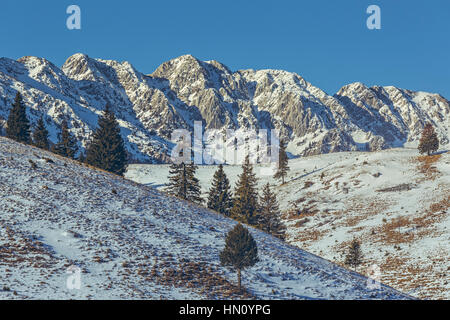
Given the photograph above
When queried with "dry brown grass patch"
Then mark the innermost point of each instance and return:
(418, 277)
(309, 234)
(426, 165)
(360, 210)
(198, 276)
(417, 225)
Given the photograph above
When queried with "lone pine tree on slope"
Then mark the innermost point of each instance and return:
(354, 256)
(220, 198)
(269, 214)
(67, 144)
(240, 251)
(429, 141)
(40, 135)
(18, 126)
(183, 183)
(245, 203)
(107, 149)
(283, 166)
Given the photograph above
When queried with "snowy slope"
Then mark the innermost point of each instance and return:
(185, 89)
(395, 202)
(133, 242)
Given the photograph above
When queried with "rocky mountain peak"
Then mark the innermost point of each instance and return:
(186, 63)
(352, 88)
(80, 67)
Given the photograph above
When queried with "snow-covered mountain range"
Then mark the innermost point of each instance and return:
(184, 90)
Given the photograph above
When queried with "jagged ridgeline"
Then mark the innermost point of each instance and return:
(184, 90)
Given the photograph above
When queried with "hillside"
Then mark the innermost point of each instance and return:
(184, 90)
(394, 201)
(132, 242)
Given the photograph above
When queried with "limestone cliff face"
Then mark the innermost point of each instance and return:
(395, 115)
(184, 90)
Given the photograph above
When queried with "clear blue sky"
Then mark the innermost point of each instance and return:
(325, 41)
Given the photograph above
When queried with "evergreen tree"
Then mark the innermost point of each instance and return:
(219, 198)
(107, 150)
(283, 166)
(177, 181)
(245, 203)
(194, 190)
(354, 255)
(429, 141)
(18, 126)
(81, 157)
(183, 183)
(67, 144)
(40, 135)
(240, 251)
(270, 215)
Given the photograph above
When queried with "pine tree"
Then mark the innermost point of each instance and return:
(240, 251)
(107, 150)
(245, 203)
(81, 157)
(177, 181)
(67, 144)
(194, 190)
(429, 141)
(40, 135)
(270, 215)
(283, 166)
(354, 256)
(220, 198)
(183, 183)
(18, 126)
